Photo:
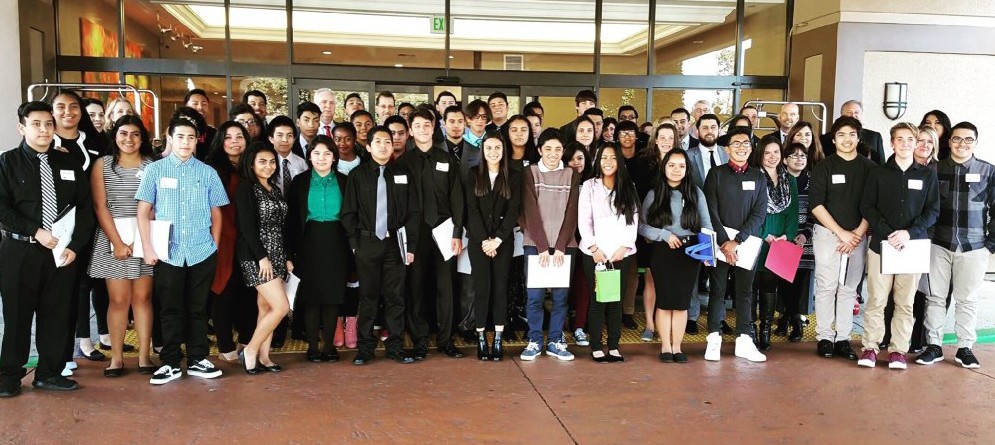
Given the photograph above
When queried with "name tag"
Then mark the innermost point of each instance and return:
(400, 179)
(915, 184)
(525, 163)
(973, 177)
(839, 179)
(442, 166)
(167, 183)
(94, 152)
(749, 185)
(67, 175)
(140, 174)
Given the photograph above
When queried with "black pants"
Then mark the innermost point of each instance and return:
(466, 318)
(323, 317)
(96, 293)
(743, 297)
(428, 261)
(234, 310)
(599, 313)
(490, 282)
(183, 295)
(381, 274)
(31, 286)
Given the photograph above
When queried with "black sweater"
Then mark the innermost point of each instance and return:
(838, 185)
(900, 200)
(736, 201)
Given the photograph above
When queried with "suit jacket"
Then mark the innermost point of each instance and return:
(491, 215)
(470, 159)
(300, 188)
(869, 137)
(697, 161)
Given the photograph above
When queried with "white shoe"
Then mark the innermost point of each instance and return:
(581, 338)
(714, 346)
(67, 371)
(71, 365)
(746, 349)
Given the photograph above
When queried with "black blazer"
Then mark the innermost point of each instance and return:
(300, 188)
(869, 137)
(248, 245)
(492, 216)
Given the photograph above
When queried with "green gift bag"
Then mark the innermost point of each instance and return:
(607, 284)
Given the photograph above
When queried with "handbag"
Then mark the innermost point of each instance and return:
(607, 283)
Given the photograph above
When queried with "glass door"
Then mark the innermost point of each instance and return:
(303, 90)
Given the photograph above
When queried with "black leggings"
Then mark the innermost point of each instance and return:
(490, 283)
(600, 313)
(101, 302)
(231, 311)
(316, 316)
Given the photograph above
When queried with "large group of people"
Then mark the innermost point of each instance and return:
(430, 219)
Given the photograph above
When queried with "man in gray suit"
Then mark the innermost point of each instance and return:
(707, 153)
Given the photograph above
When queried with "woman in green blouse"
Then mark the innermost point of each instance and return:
(319, 246)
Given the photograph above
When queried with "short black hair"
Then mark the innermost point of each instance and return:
(445, 93)
(256, 93)
(845, 121)
(681, 110)
(240, 109)
(377, 129)
(307, 106)
(178, 121)
(396, 119)
(734, 131)
(195, 91)
(705, 117)
(624, 126)
(497, 95)
(583, 95)
(965, 126)
(345, 126)
(529, 108)
(547, 134)
(280, 121)
(452, 109)
(422, 113)
(30, 107)
(350, 96)
(359, 113)
(403, 105)
(628, 108)
(594, 111)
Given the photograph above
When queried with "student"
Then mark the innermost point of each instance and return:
(380, 199)
(520, 137)
(197, 100)
(963, 240)
(282, 135)
(363, 121)
(400, 133)
(203, 143)
(583, 100)
(189, 194)
(114, 181)
(900, 202)
(308, 121)
(353, 103)
(629, 113)
(317, 240)
(597, 116)
(626, 136)
(477, 114)
(549, 212)
(672, 215)
(493, 197)
(498, 104)
(261, 250)
(579, 300)
(608, 217)
(444, 100)
(608, 131)
(835, 191)
(344, 137)
(737, 198)
(440, 188)
(95, 109)
(38, 181)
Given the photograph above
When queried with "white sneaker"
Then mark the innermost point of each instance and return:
(68, 370)
(712, 351)
(746, 349)
(580, 337)
(71, 365)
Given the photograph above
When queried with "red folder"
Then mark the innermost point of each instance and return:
(783, 259)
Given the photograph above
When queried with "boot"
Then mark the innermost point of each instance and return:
(766, 321)
(339, 333)
(351, 336)
(497, 350)
(781, 329)
(482, 349)
(795, 335)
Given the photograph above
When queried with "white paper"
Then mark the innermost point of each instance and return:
(290, 287)
(443, 234)
(747, 251)
(606, 235)
(63, 230)
(519, 242)
(844, 265)
(463, 260)
(160, 240)
(402, 243)
(550, 276)
(912, 259)
(127, 229)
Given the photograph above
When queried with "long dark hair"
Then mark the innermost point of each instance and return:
(216, 156)
(659, 213)
(501, 182)
(650, 153)
(144, 149)
(945, 123)
(568, 153)
(249, 158)
(626, 200)
(814, 152)
(757, 155)
(85, 124)
(531, 153)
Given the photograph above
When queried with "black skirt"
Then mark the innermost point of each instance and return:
(322, 264)
(644, 252)
(675, 275)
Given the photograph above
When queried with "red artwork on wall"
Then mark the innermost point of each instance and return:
(97, 41)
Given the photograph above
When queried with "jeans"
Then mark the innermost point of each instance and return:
(534, 307)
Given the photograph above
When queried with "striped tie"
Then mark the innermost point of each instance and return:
(285, 183)
(49, 204)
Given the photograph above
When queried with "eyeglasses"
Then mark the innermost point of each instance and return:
(966, 141)
(797, 156)
(627, 133)
(478, 116)
(738, 144)
(246, 123)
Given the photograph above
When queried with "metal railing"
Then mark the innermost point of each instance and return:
(761, 113)
(121, 89)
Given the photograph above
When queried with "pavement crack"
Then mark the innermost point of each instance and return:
(546, 402)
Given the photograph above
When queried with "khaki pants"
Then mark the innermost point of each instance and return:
(834, 302)
(903, 289)
(966, 271)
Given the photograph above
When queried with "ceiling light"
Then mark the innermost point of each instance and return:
(452, 57)
(398, 65)
(327, 53)
(215, 93)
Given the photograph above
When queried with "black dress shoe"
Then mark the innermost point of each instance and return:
(692, 327)
(842, 349)
(147, 370)
(245, 367)
(825, 348)
(362, 358)
(9, 387)
(680, 357)
(497, 349)
(57, 383)
(602, 359)
(114, 372)
(419, 353)
(667, 357)
(271, 368)
(615, 358)
(313, 356)
(330, 356)
(95, 356)
(450, 351)
(629, 322)
(401, 357)
(125, 348)
(482, 347)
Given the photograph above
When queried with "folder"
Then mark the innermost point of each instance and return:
(704, 250)
(290, 287)
(783, 259)
(747, 251)
(127, 229)
(844, 267)
(519, 242)
(62, 229)
(606, 235)
(160, 240)
(550, 276)
(463, 260)
(402, 243)
(443, 235)
(912, 259)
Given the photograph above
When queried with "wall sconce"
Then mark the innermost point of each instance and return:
(896, 95)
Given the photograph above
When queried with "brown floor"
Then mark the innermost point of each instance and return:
(795, 397)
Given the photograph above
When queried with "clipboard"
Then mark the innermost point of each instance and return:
(747, 251)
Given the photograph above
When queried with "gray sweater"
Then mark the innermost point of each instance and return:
(662, 234)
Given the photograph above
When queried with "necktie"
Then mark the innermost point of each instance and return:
(328, 130)
(431, 210)
(285, 184)
(49, 204)
(381, 216)
(711, 154)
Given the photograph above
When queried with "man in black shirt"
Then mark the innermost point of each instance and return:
(498, 103)
(901, 201)
(38, 184)
(737, 199)
(380, 213)
(437, 179)
(838, 237)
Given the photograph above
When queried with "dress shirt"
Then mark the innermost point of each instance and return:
(473, 139)
(900, 200)
(324, 200)
(360, 198)
(440, 186)
(297, 166)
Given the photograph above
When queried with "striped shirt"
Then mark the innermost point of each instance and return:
(967, 203)
(184, 192)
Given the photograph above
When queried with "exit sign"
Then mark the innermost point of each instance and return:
(438, 24)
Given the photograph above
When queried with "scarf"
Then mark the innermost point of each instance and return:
(778, 196)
